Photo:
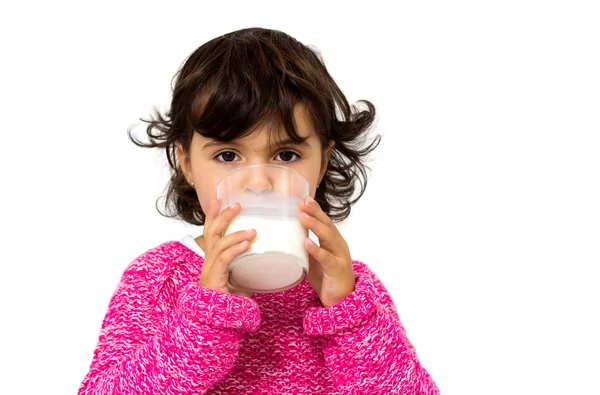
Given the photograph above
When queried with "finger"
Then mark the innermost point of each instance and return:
(216, 273)
(221, 265)
(227, 242)
(310, 206)
(235, 291)
(232, 239)
(324, 233)
(324, 257)
(222, 221)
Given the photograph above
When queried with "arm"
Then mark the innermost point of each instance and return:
(182, 347)
(364, 343)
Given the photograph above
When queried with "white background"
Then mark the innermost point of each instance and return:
(481, 215)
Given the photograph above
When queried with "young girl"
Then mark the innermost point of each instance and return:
(174, 326)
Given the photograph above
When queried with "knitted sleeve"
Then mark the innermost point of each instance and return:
(146, 347)
(364, 343)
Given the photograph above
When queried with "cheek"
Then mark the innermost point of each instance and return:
(313, 178)
(206, 189)
(204, 199)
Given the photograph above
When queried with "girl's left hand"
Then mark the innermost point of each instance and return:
(330, 265)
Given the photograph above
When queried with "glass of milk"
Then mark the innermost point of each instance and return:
(268, 194)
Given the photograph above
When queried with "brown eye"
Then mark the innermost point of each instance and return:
(287, 156)
(227, 156)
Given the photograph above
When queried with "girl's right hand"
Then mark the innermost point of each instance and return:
(221, 250)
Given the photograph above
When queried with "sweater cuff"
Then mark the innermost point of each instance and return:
(218, 309)
(350, 312)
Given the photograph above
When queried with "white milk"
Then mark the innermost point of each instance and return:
(276, 259)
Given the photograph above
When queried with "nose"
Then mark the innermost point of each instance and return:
(258, 181)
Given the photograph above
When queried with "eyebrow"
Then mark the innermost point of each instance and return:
(288, 141)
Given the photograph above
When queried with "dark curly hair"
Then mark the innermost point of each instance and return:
(239, 80)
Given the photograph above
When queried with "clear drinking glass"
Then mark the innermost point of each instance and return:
(268, 194)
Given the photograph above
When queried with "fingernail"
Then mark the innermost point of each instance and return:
(307, 202)
(249, 231)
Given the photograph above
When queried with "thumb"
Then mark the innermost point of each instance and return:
(235, 291)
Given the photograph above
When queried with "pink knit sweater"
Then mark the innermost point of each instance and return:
(165, 334)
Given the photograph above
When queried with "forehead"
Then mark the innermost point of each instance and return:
(269, 134)
(274, 133)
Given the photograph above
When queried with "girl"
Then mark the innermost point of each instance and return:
(173, 325)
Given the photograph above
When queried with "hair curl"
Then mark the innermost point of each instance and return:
(235, 82)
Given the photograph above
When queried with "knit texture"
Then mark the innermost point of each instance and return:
(163, 333)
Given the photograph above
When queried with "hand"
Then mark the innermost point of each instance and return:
(221, 250)
(330, 266)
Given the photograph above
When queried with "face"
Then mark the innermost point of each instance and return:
(210, 160)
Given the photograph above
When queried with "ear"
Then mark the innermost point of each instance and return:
(184, 162)
(325, 161)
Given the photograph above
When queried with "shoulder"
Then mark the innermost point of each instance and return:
(159, 263)
(166, 252)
